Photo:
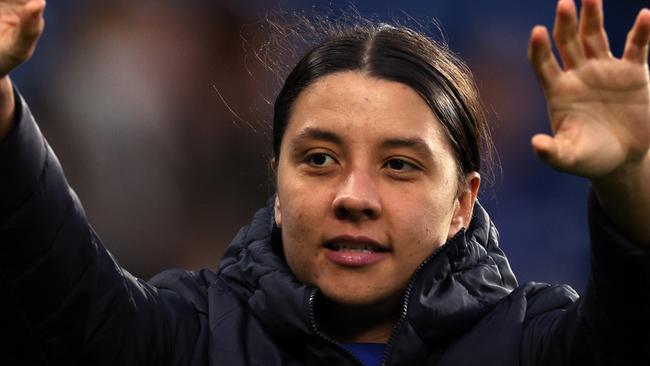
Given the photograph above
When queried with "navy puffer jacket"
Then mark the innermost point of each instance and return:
(65, 300)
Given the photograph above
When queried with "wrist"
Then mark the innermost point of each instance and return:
(7, 106)
(625, 196)
(630, 175)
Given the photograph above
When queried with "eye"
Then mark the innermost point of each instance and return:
(320, 159)
(400, 165)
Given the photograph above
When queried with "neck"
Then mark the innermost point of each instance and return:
(358, 323)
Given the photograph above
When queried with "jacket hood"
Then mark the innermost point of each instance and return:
(453, 289)
(447, 294)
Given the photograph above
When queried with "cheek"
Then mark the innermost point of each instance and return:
(302, 213)
(297, 213)
(293, 244)
(421, 224)
(303, 202)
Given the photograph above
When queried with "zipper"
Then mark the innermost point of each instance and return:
(407, 299)
(321, 334)
(400, 320)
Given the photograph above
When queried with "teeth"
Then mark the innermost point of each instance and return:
(354, 248)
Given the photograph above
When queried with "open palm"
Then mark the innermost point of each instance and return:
(599, 105)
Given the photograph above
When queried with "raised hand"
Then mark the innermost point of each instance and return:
(599, 108)
(599, 105)
(21, 23)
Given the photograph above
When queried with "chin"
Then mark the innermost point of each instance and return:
(359, 298)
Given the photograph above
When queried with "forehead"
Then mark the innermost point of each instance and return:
(360, 108)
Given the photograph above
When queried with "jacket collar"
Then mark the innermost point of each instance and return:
(254, 268)
(453, 290)
(448, 294)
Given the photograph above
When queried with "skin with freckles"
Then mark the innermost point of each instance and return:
(366, 157)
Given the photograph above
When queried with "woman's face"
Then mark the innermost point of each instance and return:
(367, 188)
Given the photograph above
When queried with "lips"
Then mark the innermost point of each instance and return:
(355, 251)
(354, 247)
(355, 244)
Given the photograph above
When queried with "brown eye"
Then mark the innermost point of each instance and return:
(400, 165)
(320, 159)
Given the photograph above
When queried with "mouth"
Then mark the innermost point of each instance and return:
(350, 251)
(355, 244)
(354, 247)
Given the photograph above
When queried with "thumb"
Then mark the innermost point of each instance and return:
(548, 150)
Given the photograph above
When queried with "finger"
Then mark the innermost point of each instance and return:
(592, 29)
(636, 46)
(548, 150)
(541, 57)
(566, 35)
(31, 26)
(32, 17)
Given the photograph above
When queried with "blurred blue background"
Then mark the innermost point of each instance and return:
(125, 92)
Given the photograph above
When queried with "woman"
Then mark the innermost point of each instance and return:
(374, 248)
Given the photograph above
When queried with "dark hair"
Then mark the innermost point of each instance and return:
(400, 54)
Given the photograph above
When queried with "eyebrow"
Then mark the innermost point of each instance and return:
(416, 143)
(312, 133)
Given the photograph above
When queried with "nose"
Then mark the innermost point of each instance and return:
(357, 198)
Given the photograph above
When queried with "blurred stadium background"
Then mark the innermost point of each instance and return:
(126, 93)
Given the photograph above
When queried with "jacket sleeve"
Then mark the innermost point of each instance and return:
(610, 324)
(64, 299)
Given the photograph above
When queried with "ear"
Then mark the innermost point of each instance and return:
(464, 204)
(276, 206)
(277, 212)
(274, 165)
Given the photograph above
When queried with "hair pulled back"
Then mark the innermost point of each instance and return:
(399, 54)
